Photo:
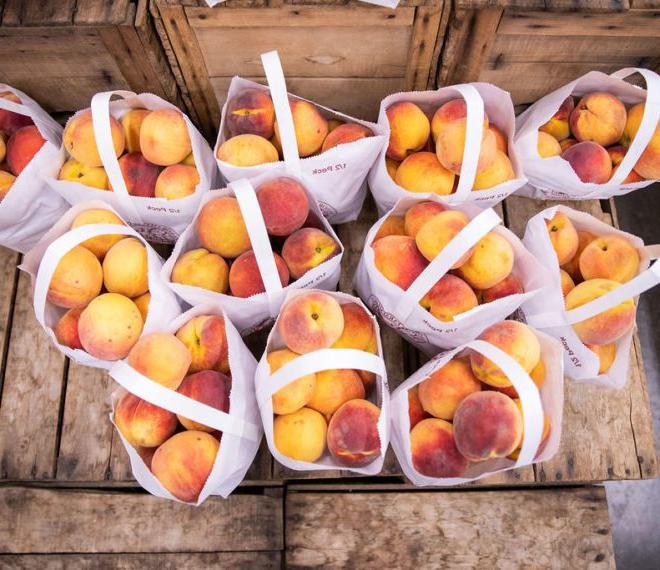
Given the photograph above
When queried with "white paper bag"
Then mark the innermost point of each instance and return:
(266, 384)
(479, 98)
(337, 177)
(40, 263)
(547, 312)
(549, 400)
(30, 208)
(240, 427)
(401, 309)
(157, 219)
(553, 178)
(253, 313)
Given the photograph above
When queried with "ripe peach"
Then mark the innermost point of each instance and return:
(284, 205)
(205, 338)
(391, 226)
(21, 148)
(590, 162)
(512, 337)
(344, 134)
(422, 172)
(310, 127)
(247, 150)
(500, 171)
(500, 139)
(442, 392)
(333, 124)
(176, 181)
(10, 122)
(544, 434)
(563, 237)
(353, 438)
(80, 142)
(606, 354)
(221, 229)
(398, 259)
(616, 154)
(66, 329)
(359, 332)
(201, 268)
(109, 326)
(567, 283)
(208, 387)
(567, 143)
(648, 164)
(415, 411)
(491, 262)
(392, 166)
(609, 257)
(139, 174)
(184, 462)
(548, 145)
(438, 231)
(300, 435)
(295, 395)
(311, 321)
(449, 297)
(77, 279)
(189, 160)
(434, 451)
(142, 303)
(510, 285)
(537, 375)
(6, 182)
(409, 129)
(162, 357)
(599, 117)
(251, 112)
(164, 138)
(94, 177)
(143, 424)
(98, 245)
(125, 268)
(631, 178)
(131, 122)
(557, 125)
(333, 388)
(245, 278)
(307, 248)
(419, 214)
(608, 326)
(572, 267)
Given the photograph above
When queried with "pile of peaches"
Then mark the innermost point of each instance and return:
(467, 411)
(328, 409)
(590, 267)
(153, 148)
(295, 231)
(427, 155)
(179, 451)
(594, 136)
(254, 136)
(404, 246)
(20, 140)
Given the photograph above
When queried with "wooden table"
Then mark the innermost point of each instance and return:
(67, 496)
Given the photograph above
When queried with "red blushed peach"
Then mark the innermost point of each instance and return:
(399, 260)
(247, 150)
(609, 257)
(205, 338)
(648, 164)
(143, 424)
(499, 171)
(98, 245)
(311, 321)
(514, 338)
(548, 145)
(599, 117)
(245, 278)
(306, 249)
(438, 231)
(201, 268)
(77, 279)
(208, 387)
(442, 392)
(563, 237)
(567, 283)
(310, 127)
(491, 262)
(567, 143)
(359, 332)
(392, 166)
(572, 267)
(80, 142)
(353, 433)
(434, 451)
(334, 388)
(409, 129)
(510, 285)
(500, 139)
(21, 148)
(10, 122)
(558, 126)
(294, 395)
(176, 181)
(590, 162)
(419, 214)
(344, 134)
(125, 268)
(139, 174)
(284, 205)
(6, 182)
(184, 462)
(487, 425)
(416, 412)
(164, 138)
(66, 329)
(608, 326)
(131, 122)
(422, 172)
(449, 297)
(391, 226)
(606, 354)
(162, 357)
(94, 177)
(251, 112)
(300, 435)
(221, 229)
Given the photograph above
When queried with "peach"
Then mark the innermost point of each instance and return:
(599, 117)
(334, 388)
(245, 278)
(247, 150)
(77, 279)
(567, 283)
(537, 375)
(544, 434)
(422, 172)
(510, 285)
(92, 176)
(66, 329)
(10, 122)
(409, 129)
(359, 332)
(184, 462)
(164, 138)
(176, 181)
(205, 338)
(125, 268)
(448, 128)
(98, 245)
(572, 267)
(21, 148)
(631, 178)
(344, 134)
(501, 140)
(415, 411)
(442, 392)
(306, 249)
(310, 127)
(142, 303)
(616, 154)
(251, 111)
(162, 357)
(353, 438)
(500, 171)
(6, 182)
(131, 122)
(449, 297)
(567, 143)
(3, 146)
(333, 124)
(590, 162)
(563, 237)
(391, 166)
(648, 164)
(208, 387)
(284, 205)
(398, 259)
(189, 160)
(109, 326)
(143, 424)
(294, 395)
(201, 268)
(557, 125)
(221, 229)
(434, 451)
(419, 214)
(515, 339)
(606, 354)
(491, 262)
(608, 326)
(438, 231)
(391, 226)
(548, 145)
(311, 321)
(80, 142)
(609, 257)
(300, 435)
(139, 174)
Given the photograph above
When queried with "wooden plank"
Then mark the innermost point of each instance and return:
(457, 529)
(558, 5)
(38, 13)
(422, 47)
(9, 259)
(90, 12)
(32, 520)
